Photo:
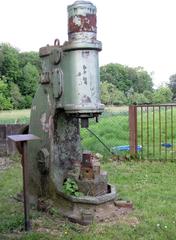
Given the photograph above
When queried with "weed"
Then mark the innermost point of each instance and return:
(70, 187)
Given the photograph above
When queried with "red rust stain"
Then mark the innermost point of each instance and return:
(87, 24)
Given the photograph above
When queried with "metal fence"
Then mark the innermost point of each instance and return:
(143, 131)
(154, 129)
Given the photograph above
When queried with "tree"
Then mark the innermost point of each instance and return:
(115, 74)
(137, 98)
(29, 57)
(111, 95)
(143, 81)
(5, 103)
(162, 95)
(9, 63)
(124, 77)
(172, 85)
(16, 97)
(29, 82)
(148, 95)
(20, 71)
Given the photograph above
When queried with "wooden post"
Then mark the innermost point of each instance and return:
(24, 138)
(133, 129)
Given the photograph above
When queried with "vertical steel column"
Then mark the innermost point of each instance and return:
(133, 129)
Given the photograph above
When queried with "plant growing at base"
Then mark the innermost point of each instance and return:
(70, 187)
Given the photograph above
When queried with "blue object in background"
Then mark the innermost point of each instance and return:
(167, 145)
(125, 148)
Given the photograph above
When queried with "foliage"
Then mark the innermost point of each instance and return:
(27, 101)
(124, 77)
(172, 85)
(5, 103)
(30, 57)
(162, 95)
(137, 98)
(70, 187)
(20, 71)
(31, 77)
(9, 63)
(111, 95)
(148, 95)
(15, 94)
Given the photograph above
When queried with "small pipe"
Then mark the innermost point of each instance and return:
(100, 140)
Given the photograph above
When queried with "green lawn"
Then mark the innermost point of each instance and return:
(157, 128)
(113, 130)
(149, 185)
(14, 116)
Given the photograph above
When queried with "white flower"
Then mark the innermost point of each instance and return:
(165, 226)
(158, 225)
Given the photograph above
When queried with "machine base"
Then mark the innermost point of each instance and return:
(86, 210)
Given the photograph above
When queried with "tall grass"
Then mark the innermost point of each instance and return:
(112, 129)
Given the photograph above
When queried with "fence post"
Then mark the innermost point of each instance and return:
(133, 129)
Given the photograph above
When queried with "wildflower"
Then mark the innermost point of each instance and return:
(158, 225)
(165, 226)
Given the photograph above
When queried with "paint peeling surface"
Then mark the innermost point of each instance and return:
(48, 99)
(34, 108)
(77, 21)
(83, 36)
(82, 24)
(44, 123)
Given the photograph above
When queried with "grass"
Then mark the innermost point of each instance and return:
(113, 130)
(157, 128)
(149, 185)
(14, 116)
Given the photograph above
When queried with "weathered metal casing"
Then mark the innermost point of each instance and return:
(81, 82)
(69, 89)
(80, 61)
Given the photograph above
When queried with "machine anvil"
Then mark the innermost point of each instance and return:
(69, 93)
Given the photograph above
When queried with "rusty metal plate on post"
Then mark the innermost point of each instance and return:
(23, 137)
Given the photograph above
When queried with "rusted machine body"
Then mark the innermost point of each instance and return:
(69, 93)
